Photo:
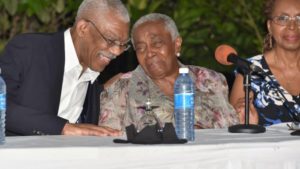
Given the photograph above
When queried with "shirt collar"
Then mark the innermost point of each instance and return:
(92, 74)
(71, 58)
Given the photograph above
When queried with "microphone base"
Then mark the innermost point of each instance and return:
(295, 133)
(249, 128)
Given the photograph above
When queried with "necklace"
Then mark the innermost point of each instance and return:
(149, 117)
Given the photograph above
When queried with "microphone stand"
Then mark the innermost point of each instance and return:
(247, 128)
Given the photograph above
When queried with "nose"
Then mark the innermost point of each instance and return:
(292, 24)
(116, 50)
(150, 52)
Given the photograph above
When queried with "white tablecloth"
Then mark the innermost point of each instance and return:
(212, 149)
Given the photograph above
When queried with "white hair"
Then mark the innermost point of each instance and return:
(170, 25)
(90, 8)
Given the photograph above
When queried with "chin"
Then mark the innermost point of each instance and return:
(156, 75)
(97, 68)
(292, 47)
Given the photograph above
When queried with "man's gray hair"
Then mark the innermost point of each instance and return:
(170, 25)
(90, 8)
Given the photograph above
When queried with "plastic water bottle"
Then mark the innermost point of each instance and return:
(2, 109)
(184, 105)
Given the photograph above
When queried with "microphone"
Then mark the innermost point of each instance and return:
(226, 55)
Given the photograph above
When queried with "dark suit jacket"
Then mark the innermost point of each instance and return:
(33, 67)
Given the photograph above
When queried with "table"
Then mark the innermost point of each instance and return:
(213, 148)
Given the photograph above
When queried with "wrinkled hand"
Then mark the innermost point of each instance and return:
(240, 109)
(89, 130)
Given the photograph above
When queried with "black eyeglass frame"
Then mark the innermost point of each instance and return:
(287, 20)
(111, 43)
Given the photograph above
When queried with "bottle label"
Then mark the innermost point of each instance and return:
(184, 100)
(2, 101)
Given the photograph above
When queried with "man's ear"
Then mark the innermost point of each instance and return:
(81, 27)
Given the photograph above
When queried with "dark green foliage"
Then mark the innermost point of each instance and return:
(203, 24)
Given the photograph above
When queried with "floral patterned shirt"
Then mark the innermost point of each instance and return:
(121, 104)
(271, 106)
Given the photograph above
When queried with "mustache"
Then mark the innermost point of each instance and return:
(107, 55)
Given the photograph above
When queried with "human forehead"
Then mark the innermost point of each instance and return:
(151, 29)
(290, 7)
(114, 27)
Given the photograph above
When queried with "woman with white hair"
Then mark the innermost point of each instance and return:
(157, 44)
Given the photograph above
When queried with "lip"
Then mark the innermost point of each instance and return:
(292, 38)
(104, 59)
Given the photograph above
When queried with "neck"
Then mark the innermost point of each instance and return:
(167, 79)
(166, 84)
(289, 59)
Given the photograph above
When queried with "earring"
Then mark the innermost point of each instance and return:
(270, 40)
(178, 54)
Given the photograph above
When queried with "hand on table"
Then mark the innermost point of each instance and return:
(89, 130)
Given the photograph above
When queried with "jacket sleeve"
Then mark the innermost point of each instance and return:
(27, 114)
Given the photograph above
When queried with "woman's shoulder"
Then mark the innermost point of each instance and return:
(118, 82)
(204, 73)
(256, 58)
(207, 79)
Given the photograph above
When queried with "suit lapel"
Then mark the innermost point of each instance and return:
(56, 63)
(91, 107)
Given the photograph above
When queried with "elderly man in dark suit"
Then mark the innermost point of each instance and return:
(52, 85)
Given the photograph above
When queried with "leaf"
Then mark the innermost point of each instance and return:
(154, 5)
(4, 22)
(139, 4)
(40, 10)
(44, 16)
(59, 6)
(11, 6)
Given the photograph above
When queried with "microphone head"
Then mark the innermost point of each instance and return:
(222, 52)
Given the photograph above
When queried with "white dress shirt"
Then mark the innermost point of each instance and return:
(74, 87)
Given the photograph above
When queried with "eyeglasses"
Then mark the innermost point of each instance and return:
(109, 42)
(284, 20)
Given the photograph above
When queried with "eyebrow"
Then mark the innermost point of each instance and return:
(110, 35)
(283, 13)
(113, 37)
